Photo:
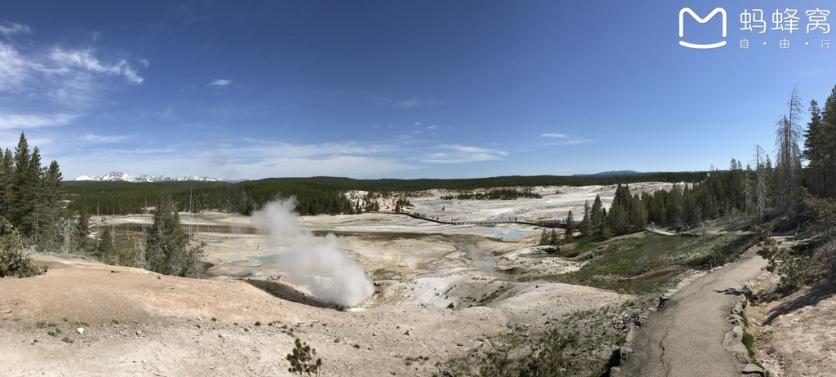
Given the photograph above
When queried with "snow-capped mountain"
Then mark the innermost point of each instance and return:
(125, 177)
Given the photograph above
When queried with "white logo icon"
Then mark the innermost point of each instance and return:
(702, 20)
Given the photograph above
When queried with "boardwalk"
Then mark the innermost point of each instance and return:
(513, 220)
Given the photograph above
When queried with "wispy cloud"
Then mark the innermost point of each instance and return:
(404, 104)
(576, 141)
(243, 158)
(24, 121)
(102, 139)
(13, 68)
(412, 103)
(220, 82)
(458, 154)
(67, 77)
(84, 59)
(564, 139)
(12, 28)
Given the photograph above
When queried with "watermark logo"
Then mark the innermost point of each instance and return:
(703, 20)
(784, 28)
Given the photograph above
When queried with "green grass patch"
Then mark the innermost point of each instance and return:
(584, 246)
(749, 342)
(652, 263)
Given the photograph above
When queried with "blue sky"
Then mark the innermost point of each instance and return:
(396, 88)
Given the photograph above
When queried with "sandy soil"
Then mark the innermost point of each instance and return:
(441, 290)
(139, 323)
(795, 335)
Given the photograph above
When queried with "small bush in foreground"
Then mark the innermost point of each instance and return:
(13, 263)
(303, 360)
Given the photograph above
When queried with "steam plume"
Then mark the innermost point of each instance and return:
(316, 263)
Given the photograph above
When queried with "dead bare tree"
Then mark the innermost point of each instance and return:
(788, 158)
(760, 189)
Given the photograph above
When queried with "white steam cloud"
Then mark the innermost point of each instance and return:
(316, 263)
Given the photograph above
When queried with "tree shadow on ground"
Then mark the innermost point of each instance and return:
(816, 294)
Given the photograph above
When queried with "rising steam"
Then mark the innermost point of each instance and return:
(316, 263)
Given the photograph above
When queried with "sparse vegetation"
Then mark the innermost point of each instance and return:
(651, 263)
(495, 194)
(579, 344)
(749, 343)
(13, 261)
(303, 360)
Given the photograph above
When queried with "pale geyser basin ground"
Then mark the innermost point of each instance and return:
(140, 323)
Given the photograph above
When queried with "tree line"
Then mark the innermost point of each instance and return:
(33, 213)
(314, 195)
(760, 189)
(121, 198)
(30, 197)
(495, 194)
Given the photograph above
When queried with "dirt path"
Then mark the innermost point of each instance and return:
(686, 337)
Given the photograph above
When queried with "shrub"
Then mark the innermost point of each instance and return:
(13, 262)
(303, 360)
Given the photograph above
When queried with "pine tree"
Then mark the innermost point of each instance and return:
(544, 237)
(586, 225)
(569, 236)
(618, 219)
(21, 199)
(638, 214)
(814, 151)
(820, 148)
(167, 250)
(554, 239)
(828, 144)
(596, 216)
(606, 231)
(82, 231)
(105, 249)
(7, 170)
(49, 208)
(674, 208)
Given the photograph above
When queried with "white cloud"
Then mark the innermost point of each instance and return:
(220, 82)
(564, 139)
(84, 59)
(413, 103)
(245, 159)
(458, 154)
(13, 68)
(577, 141)
(23, 121)
(62, 76)
(12, 28)
(102, 139)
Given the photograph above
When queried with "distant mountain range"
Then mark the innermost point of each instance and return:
(116, 176)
